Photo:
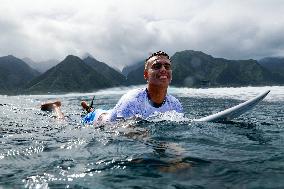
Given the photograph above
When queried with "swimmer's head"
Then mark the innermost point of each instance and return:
(159, 53)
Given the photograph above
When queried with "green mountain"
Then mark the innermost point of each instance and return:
(108, 72)
(14, 74)
(195, 68)
(273, 64)
(70, 75)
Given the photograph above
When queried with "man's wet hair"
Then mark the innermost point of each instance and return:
(159, 53)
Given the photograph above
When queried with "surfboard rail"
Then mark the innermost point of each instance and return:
(235, 111)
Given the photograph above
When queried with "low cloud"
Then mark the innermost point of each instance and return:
(126, 32)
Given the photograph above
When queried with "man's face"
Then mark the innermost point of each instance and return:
(158, 71)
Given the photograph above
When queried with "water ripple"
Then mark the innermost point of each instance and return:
(165, 151)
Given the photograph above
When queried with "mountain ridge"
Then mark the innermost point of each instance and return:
(70, 75)
(273, 64)
(14, 73)
(108, 72)
(190, 69)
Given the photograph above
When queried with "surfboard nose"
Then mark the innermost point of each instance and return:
(235, 111)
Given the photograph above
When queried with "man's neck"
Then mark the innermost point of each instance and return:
(157, 94)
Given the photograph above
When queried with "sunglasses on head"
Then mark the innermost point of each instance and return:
(158, 65)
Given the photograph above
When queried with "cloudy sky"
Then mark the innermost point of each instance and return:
(121, 32)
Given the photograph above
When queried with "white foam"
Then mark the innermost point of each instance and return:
(240, 93)
(168, 116)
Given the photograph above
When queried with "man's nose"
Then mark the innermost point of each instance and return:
(163, 67)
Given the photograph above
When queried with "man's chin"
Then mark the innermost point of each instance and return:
(165, 81)
(161, 83)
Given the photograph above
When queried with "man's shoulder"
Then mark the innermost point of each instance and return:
(172, 98)
(134, 93)
(174, 103)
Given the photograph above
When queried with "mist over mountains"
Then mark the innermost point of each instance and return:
(190, 69)
(42, 66)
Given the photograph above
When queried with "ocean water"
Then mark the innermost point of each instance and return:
(169, 151)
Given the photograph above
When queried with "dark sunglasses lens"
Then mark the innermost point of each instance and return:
(167, 66)
(158, 66)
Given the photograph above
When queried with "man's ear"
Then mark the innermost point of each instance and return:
(145, 74)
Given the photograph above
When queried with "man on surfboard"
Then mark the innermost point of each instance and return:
(143, 103)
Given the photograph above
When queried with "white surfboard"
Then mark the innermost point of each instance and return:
(231, 113)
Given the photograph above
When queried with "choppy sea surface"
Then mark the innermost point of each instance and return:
(169, 151)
